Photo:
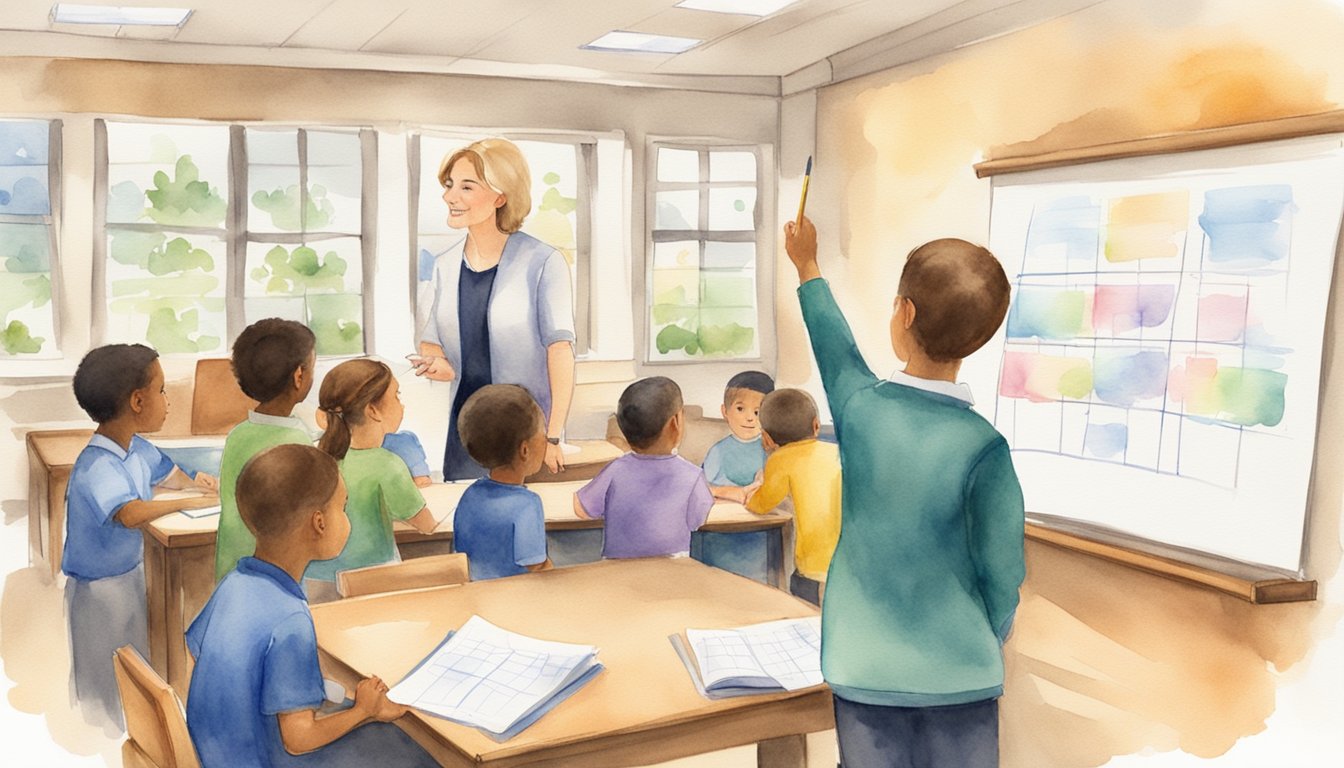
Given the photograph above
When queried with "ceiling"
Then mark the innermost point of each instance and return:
(448, 35)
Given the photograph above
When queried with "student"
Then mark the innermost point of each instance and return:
(362, 403)
(806, 470)
(256, 686)
(735, 462)
(651, 498)
(273, 362)
(406, 445)
(110, 495)
(924, 582)
(499, 524)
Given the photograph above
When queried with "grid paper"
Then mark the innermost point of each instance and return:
(787, 652)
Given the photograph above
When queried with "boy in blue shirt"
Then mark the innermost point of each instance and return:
(499, 524)
(109, 497)
(733, 465)
(257, 686)
(924, 582)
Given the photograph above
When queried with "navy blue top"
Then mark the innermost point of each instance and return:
(501, 528)
(103, 479)
(473, 301)
(256, 656)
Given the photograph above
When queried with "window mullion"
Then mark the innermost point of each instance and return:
(235, 283)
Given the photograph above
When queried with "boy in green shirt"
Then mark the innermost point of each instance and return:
(924, 582)
(273, 361)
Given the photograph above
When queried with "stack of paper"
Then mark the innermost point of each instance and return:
(495, 680)
(774, 656)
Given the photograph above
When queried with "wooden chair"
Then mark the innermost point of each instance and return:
(217, 402)
(433, 571)
(156, 729)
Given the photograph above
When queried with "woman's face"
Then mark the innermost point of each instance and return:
(470, 201)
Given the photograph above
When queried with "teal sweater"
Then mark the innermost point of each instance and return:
(924, 582)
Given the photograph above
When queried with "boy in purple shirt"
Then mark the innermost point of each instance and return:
(651, 499)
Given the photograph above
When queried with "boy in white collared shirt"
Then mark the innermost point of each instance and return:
(924, 582)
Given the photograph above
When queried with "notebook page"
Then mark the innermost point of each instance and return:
(783, 653)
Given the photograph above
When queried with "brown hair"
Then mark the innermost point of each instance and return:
(266, 354)
(495, 421)
(787, 415)
(960, 295)
(645, 408)
(282, 484)
(503, 168)
(346, 391)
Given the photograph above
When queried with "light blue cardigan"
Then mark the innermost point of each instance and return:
(530, 308)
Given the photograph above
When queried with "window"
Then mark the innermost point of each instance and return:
(560, 216)
(29, 192)
(209, 227)
(703, 237)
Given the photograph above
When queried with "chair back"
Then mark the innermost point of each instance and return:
(433, 571)
(217, 402)
(155, 726)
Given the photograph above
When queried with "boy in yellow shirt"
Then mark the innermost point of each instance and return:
(807, 470)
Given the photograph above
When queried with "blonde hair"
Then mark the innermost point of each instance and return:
(504, 169)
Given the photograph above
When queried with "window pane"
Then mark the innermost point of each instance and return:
(23, 190)
(677, 210)
(555, 174)
(170, 175)
(273, 181)
(335, 182)
(24, 142)
(733, 208)
(166, 290)
(682, 253)
(728, 289)
(676, 286)
(289, 308)
(732, 166)
(728, 332)
(26, 318)
(678, 164)
(325, 266)
(337, 322)
(729, 255)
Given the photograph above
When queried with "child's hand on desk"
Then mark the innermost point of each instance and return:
(371, 700)
(206, 482)
(198, 502)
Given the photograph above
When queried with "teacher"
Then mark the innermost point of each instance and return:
(502, 310)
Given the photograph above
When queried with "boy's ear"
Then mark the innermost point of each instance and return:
(816, 426)
(137, 400)
(767, 442)
(723, 411)
(317, 522)
(297, 378)
(908, 313)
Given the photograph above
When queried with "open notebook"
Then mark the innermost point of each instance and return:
(775, 656)
(495, 680)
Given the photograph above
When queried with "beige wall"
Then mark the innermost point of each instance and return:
(1105, 661)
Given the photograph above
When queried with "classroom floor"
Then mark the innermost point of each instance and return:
(39, 726)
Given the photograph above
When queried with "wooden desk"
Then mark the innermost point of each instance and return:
(180, 559)
(583, 464)
(51, 456)
(642, 709)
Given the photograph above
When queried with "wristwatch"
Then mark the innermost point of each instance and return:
(552, 440)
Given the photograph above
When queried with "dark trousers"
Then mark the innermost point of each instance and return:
(957, 736)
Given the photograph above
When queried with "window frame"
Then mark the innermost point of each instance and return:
(763, 272)
(52, 221)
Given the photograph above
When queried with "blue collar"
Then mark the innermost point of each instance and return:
(108, 444)
(254, 567)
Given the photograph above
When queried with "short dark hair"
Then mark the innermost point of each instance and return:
(787, 415)
(960, 295)
(495, 421)
(266, 354)
(645, 408)
(108, 375)
(278, 486)
(756, 381)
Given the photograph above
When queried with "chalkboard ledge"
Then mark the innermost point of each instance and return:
(1243, 582)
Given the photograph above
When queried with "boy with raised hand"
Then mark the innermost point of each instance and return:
(256, 687)
(273, 361)
(805, 470)
(924, 582)
(109, 497)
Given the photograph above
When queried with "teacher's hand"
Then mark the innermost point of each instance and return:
(800, 242)
(435, 369)
(555, 458)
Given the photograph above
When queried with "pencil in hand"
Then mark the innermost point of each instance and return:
(802, 201)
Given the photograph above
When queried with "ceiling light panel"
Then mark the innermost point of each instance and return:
(639, 42)
(68, 13)
(744, 7)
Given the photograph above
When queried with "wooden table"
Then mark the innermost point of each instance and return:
(180, 559)
(581, 464)
(643, 708)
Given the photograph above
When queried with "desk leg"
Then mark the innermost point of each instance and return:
(37, 515)
(783, 752)
(179, 581)
(774, 558)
